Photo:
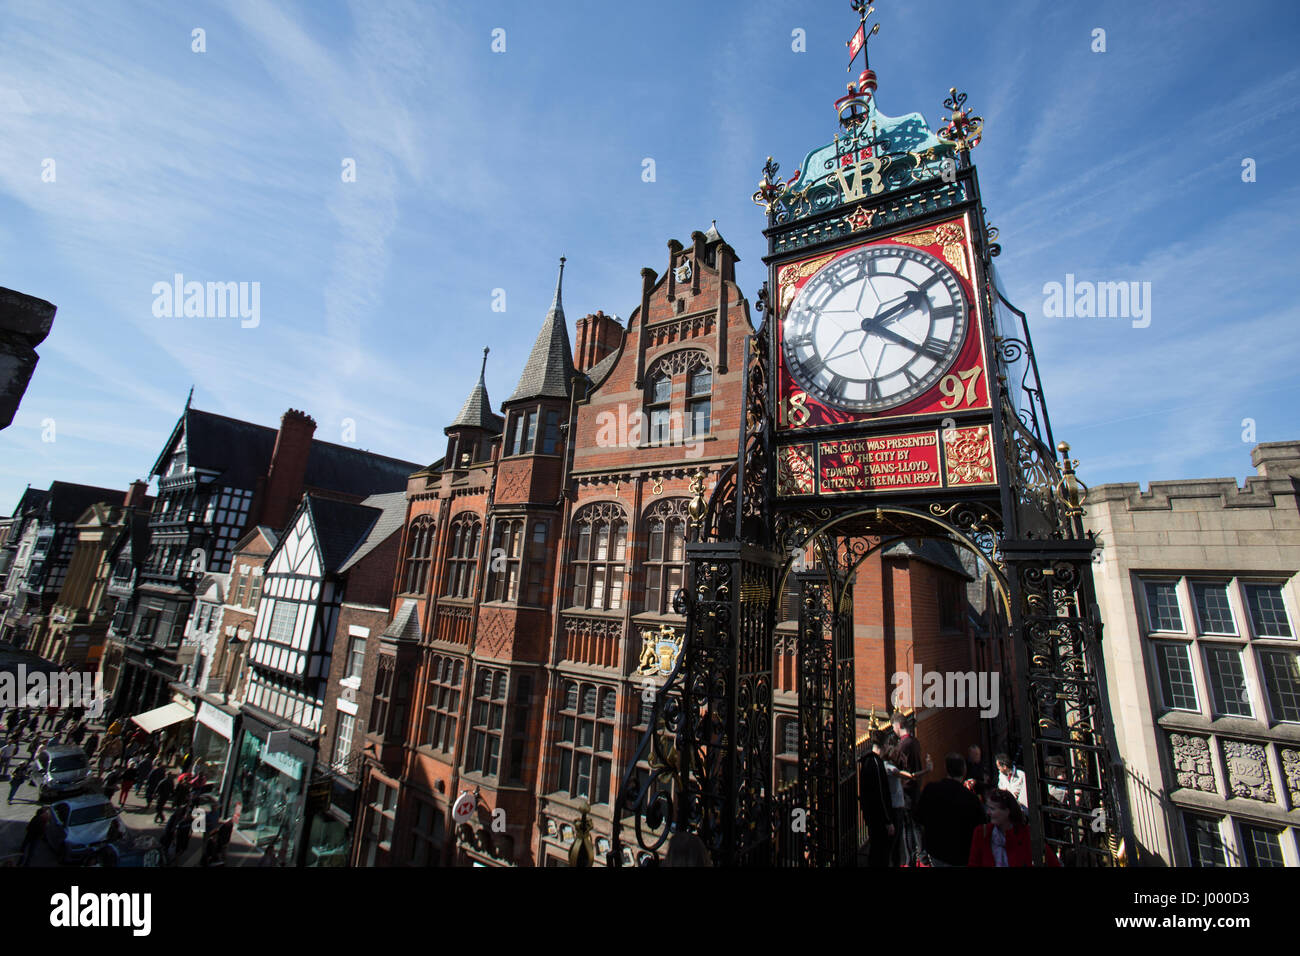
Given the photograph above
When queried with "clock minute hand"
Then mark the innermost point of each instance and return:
(911, 300)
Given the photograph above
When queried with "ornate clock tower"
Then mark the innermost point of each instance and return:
(892, 395)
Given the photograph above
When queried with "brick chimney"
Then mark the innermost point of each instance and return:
(135, 494)
(284, 478)
(598, 335)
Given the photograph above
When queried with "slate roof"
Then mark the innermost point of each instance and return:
(549, 368)
(596, 374)
(477, 410)
(392, 514)
(68, 502)
(31, 500)
(939, 553)
(406, 623)
(340, 527)
(240, 452)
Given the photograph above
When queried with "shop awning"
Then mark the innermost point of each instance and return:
(163, 716)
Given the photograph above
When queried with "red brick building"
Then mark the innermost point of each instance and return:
(541, 557)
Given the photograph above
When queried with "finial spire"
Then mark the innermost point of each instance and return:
(555, 304)
(190, 397)
(483, 371)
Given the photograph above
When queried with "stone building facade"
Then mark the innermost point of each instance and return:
(1198, 588)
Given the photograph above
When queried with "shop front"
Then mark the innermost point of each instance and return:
(214, 729)
(269, 787)
(332, 806)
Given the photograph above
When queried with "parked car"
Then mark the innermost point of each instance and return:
(60, 770)
(82, 825)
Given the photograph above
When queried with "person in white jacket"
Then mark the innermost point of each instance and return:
(1013, 781)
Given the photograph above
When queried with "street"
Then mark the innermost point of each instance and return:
(15, 816)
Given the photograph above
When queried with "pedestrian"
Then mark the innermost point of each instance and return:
(166, 787)
(977, 775)
(948, 814)
(36, 827)
(182, 793)
(907, 757)
(17, 779)
(128, 781)
(7, 753)
(169, 832)
(78, 735)
(1005, 840)
(1013, 781)
(151, 783)
(36, 744)
(143, 767)
(184, 828)
(91, 745)
(51, 713)
(876, 802)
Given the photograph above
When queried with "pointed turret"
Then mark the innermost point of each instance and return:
(549, 369)
(477, 410)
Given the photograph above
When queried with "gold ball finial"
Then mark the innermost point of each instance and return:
(1063, 447)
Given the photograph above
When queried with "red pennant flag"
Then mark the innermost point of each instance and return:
(855, 45)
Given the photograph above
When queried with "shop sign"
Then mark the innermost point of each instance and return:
(287, 765)
(220, 721)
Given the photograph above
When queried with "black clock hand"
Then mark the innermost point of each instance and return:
(911, 300)
(900, 339)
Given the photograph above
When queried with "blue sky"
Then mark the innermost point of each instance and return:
(477, 170)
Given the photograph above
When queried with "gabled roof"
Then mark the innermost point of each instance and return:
(240, 452)
(67, 502)
(392, 508)
(477, 410)
(340, 527)
(549, 369)
(31, 500)
(264, 531)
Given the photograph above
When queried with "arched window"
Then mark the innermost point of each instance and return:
(665, 525)
(418, 556)
(667, 424)
(462, 556)
(599, 557)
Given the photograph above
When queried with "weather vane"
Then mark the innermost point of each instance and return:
(859, 40)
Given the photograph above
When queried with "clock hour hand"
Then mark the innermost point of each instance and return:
(900, 339)
(910, 301)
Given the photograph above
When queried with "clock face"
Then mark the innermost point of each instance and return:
(875, 329)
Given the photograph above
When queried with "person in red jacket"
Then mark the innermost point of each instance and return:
(1004, 841)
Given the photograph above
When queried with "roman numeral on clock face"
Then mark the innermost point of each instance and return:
(934, 348)
(837, 386)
